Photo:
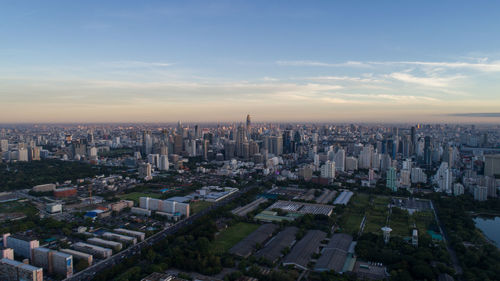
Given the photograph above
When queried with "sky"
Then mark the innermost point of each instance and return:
(205, 61)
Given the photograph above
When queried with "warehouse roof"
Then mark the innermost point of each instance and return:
(244, 247)
(334, 255)
(272, 250)
(302, 251)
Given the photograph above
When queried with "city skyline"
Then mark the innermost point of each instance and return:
(284, 62)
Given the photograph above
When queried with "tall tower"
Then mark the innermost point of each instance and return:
(249, 124)
(387, 233)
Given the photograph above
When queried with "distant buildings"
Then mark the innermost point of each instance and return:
(480, 193)
(492, 165)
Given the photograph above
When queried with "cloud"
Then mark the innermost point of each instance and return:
(345, 78)
(433, 81)
(487, 114)
(135, 64)
(321, 64)
(482, 65)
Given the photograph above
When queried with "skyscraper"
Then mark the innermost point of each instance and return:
(391, 179)
(241, 139)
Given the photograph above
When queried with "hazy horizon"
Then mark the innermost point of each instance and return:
(216, 61)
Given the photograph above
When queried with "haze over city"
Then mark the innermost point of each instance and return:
(214, 61)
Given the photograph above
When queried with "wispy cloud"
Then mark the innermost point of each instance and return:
(321, 64)
(136, 64)
(345, 78)
(481, 64)
(433, 81)
(487, 114)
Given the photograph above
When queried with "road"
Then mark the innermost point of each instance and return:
(451, 251)
(91, 271)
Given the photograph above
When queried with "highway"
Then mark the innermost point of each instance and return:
(91, 271)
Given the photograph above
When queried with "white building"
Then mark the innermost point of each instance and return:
(328, 170)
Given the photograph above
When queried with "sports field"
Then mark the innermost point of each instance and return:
(134, 196)
(232, 235)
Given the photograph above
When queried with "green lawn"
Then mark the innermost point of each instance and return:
(232, 235)
(134, 196)
(17, 207)
(195, 207)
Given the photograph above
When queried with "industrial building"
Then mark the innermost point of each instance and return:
(272, 250)
(244, 210)
(22, 245)
(302, 251)
(166, 206)
(53, 261)
(215, 193)
(116, 246)
(137, 234)
(120, 238)
(11, 270)
(245, 247)
(335, 254)
(79, 255)
(94, 250)
(343, 198)
(302, 208)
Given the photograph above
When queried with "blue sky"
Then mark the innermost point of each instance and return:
(155, 61)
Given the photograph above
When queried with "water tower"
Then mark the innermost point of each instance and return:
(387, 233)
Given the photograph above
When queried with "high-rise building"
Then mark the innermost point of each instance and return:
(391, 179)
(178, 144)
(480, 193)
(492, 165)
(444, 178)
(145, 171)
(427, 152)
(241, 139)
(4, 145)
(328, 170)
(164, 163)
(340, 160)
(351, 164)
(147, 142)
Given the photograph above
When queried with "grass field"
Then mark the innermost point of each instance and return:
(376, 210)
(134, 196)
(17, 207)
(195, 207)
(232, 235)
